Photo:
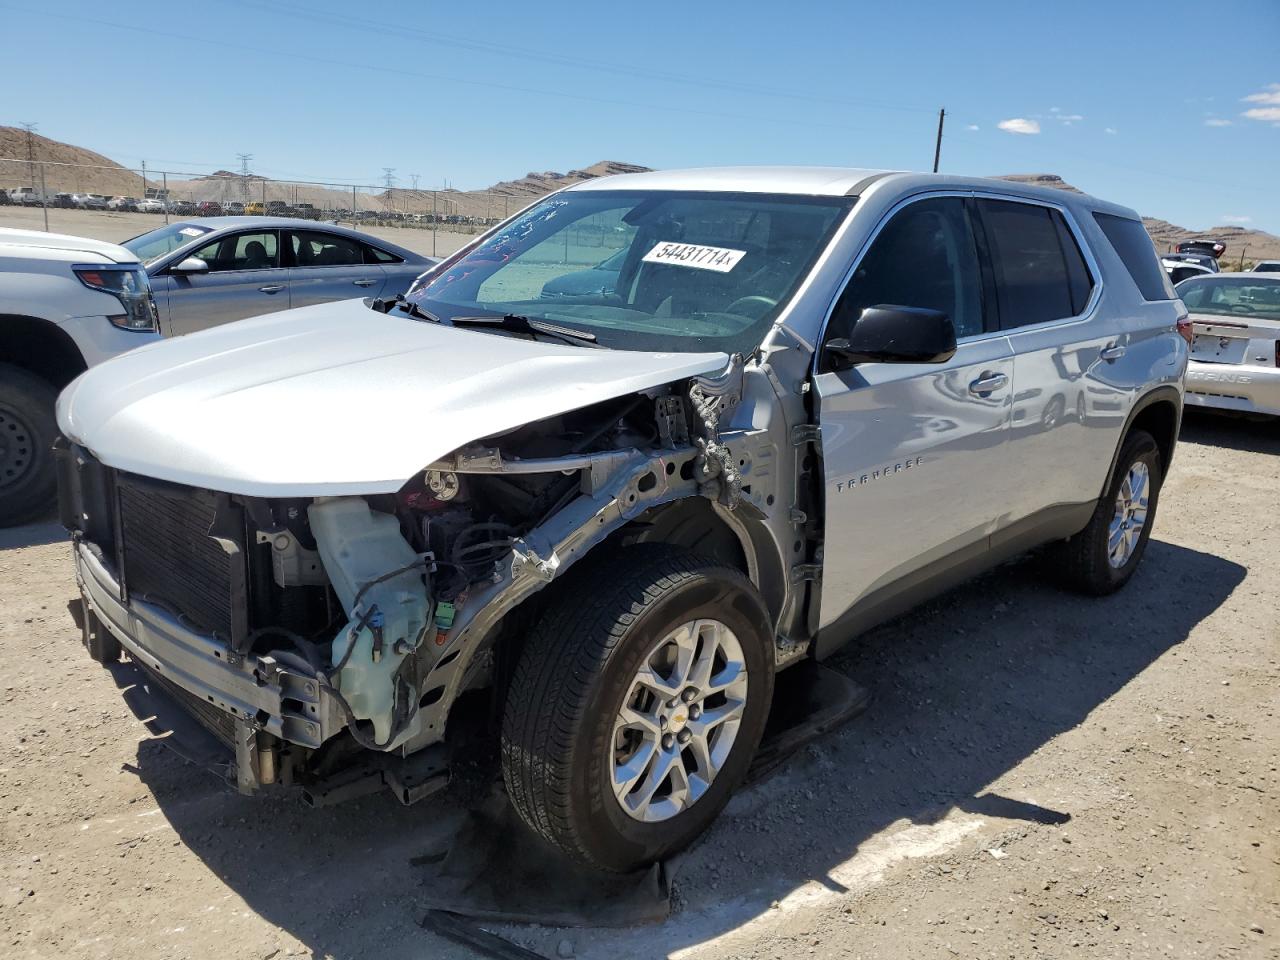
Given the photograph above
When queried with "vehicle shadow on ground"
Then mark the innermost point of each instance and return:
(1234, 433)
(37, 534)
(964, 690)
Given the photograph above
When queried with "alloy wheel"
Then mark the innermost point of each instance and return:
(679, 720)
(1130, 515)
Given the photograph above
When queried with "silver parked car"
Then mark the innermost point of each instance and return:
(1235, 355)
(809, 399)
(205, 272)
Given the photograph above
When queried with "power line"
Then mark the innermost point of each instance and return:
(348, 65)
(580, 63)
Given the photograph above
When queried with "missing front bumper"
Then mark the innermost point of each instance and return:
(257, 691)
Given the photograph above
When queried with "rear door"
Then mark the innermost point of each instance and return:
(330, 266)
(915, 459)
(1070, 404)
(244, 279)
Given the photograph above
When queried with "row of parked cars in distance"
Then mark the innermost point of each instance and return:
(31, 197)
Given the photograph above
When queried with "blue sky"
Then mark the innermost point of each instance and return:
(1140, 102)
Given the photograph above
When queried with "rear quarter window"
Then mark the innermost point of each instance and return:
(1131, 243)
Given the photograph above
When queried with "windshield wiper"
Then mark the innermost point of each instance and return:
(412, 309)
(517, 323)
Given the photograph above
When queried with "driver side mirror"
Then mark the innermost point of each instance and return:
(887, 333)
(190, 265)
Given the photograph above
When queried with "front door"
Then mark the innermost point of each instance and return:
(914, 456)
(244, 279)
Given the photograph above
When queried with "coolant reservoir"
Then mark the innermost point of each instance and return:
(358, 548)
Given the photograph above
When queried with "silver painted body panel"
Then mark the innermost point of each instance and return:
(334, 399)
(901, 447)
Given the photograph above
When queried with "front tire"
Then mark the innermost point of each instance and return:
(1102, 557)
(28, 476)
(637, 705)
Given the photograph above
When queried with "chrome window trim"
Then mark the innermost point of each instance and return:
(233, 233)
(1086, 251)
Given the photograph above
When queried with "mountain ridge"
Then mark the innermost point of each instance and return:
(77, 169)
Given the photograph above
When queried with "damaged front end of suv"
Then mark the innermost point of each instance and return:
(302, 630)
(323, 531)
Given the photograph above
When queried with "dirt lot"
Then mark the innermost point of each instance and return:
(115, 227)
(1038, 775)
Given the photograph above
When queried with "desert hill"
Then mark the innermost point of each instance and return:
(95, 173)
(1252, 244)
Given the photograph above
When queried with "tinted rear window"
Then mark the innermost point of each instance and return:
(1131, 242)
(1039, 272)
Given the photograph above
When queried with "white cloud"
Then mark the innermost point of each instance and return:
(1068, 118)
(973, 126)
(1019, 125)
(1231, 218)
(1055, 109)
(1263, 113)
(1110, 130)
(1268, 94)
(1217, 122)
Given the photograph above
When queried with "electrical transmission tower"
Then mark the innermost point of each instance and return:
(31, 151)
(389, 181)
(244, 175)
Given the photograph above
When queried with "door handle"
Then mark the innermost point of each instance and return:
(1112, 351)
(987, 383)
(272, 288)
(364, 283)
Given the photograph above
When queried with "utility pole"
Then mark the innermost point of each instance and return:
(144, 179)
(31, 151)
(937, 147)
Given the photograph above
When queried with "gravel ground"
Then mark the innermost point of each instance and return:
(1039, 775)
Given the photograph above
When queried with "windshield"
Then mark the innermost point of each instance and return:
(695, 271)
(1232, 296)
(152, 246)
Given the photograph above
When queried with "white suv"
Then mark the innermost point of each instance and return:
(801, 401)
(66, 303)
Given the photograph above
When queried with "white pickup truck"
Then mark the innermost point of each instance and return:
(66, 303)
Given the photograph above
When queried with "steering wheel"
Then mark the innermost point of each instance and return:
(768, 303)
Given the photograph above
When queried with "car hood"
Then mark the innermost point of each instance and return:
(38, 240)
(335, 399)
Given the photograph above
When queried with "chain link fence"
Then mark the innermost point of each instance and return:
(175, 195)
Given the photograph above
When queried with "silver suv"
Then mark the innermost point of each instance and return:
(808, 399)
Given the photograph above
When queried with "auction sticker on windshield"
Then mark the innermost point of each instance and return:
(720, 259)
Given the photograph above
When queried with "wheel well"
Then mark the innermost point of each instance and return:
(691, 523)
(1160, 419)
(40, 347)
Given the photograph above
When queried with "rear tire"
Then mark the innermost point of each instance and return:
(28, 477)
(1102, 557)
(565, 742)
